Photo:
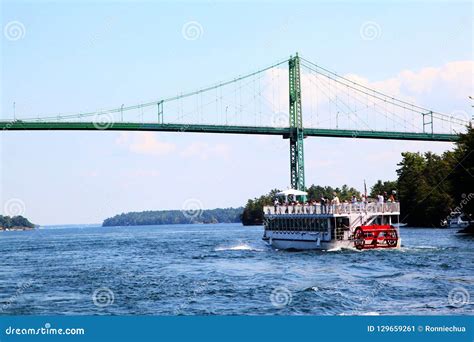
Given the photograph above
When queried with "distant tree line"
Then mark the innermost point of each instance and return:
(144, 218)
(429, 187)
(7, 222)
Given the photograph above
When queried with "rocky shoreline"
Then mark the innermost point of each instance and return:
(15, 229)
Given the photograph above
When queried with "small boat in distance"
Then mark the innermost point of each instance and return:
(456, 220)
(360, 225)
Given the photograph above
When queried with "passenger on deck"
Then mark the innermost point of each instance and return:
(391, 200)
(380, 201)
(323, 205)
(336, 203)
(363, 202)
(392, 197)
(276, 204)
(316, 204)
(380, 198)
(345, 205)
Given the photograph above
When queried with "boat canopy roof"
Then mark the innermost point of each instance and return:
(292, 192)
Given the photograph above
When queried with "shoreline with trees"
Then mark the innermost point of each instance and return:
(160, 217)
(16, 223)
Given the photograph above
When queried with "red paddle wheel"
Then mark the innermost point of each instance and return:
(375, 236)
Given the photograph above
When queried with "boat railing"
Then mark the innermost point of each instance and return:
(343, 208)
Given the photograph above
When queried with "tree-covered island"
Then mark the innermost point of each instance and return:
(15, 223)
(158, 217)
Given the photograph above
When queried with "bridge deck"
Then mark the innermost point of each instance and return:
(262, 130)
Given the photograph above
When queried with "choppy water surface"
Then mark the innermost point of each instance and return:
(227, 269)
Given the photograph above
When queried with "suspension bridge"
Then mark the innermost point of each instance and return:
(270, 101)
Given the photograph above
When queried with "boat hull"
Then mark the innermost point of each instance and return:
(307, 241)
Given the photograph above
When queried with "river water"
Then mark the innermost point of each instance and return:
(228, 270)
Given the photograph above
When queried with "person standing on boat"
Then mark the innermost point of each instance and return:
(316, 204)
(276, 204)
(363, 202)
(380, 200)
(335, 203)
(393, 196)
(323, 205)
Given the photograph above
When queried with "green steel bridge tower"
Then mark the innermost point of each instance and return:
(296, 135)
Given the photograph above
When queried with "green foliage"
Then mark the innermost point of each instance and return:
(144, 218)
(253, 211)
(15, 222)
(431, 186)
(462, 175)
(381, 187)
(315, 192)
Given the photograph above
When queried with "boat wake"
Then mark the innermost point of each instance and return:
(239, 247)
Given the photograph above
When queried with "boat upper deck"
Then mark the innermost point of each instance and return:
(343, 209)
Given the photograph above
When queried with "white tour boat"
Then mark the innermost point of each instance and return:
(347, 225)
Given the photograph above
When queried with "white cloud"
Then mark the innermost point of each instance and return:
(144, 143)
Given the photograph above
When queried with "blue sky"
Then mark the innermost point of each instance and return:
(80, 56)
